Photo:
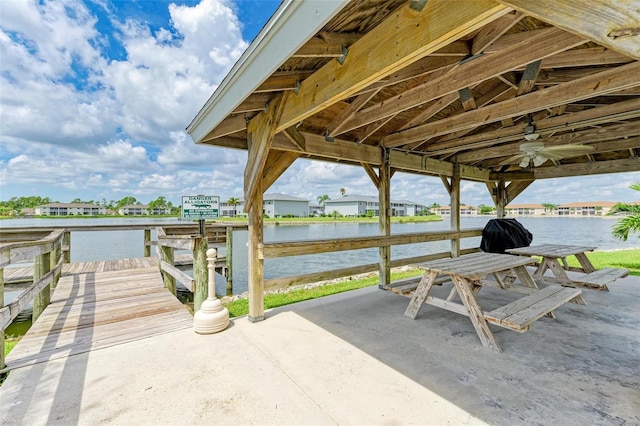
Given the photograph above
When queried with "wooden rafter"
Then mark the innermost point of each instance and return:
(326, 45)
(394, 44)
(622, 110)
(610, 23)
(494, 30)
(540, 44)
(607, 81)
(577, 169)
(588, 136)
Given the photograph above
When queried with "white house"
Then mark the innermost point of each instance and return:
(141, 210)
(588, 208)
(232, 210)
(68, 209)
(525, 210)
(362, 205)
(280, 205)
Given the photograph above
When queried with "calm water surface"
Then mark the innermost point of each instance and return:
(86, 246)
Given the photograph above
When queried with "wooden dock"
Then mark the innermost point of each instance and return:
(101, 304)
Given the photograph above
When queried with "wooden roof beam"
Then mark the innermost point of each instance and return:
(589, 136)
(539, 44)
(333, 129)
(283, 80)
(390, 46)
(326, 45)
(611, 23)
(607, 81)
(622, 110)
(631, 164)
(491, 32)
(341, 150)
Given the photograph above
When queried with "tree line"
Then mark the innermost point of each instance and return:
(16, 204)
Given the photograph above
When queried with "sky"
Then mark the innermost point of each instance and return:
(95, 97)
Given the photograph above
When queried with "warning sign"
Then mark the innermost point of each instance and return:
(200, 207)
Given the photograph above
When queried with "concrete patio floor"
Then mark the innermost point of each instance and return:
(353, 359)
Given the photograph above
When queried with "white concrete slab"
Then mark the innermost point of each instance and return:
(354, 359)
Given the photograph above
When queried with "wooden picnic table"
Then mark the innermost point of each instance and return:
(469, 273)
(553, 254)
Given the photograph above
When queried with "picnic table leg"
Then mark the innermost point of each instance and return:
(454, 292)
(586, 264)
(466, 292)
(561, 274)
(420, 294)
(527, 280)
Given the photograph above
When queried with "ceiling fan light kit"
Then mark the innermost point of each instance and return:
(530, 133)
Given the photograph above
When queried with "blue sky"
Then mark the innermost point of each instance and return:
(95, 97)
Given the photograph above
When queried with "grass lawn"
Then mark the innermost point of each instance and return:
(629, 259)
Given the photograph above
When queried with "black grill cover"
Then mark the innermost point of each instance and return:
(501, 234)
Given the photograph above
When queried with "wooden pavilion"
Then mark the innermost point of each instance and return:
(498, 91)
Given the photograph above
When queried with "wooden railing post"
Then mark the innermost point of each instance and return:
(2, 364)
(200, 274)
(54, 258)
(229, 260)
(147, 243)
(41, 265)
(66, 246)
(166, 255)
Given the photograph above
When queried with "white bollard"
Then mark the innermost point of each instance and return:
(212, 316)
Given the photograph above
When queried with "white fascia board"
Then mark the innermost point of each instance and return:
(293, 24)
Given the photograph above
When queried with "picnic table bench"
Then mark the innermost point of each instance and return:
(553, 254)
(469, 273)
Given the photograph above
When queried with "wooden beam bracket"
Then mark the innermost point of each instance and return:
(418, 5)
(343, 57)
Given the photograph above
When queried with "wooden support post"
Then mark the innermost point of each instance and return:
(2, 364)
(229, 260)
(147, 243)
(501, 200)
(384, 220)
(455, 209)
(256, 262)
(200, 274)
(166, 255)
(66, 246)
(41, 265)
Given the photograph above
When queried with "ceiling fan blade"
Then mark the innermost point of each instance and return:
(514, 159)
(569, 149)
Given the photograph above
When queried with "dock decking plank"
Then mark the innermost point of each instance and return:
(91, 310)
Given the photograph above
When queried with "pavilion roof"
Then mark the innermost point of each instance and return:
(437, 85)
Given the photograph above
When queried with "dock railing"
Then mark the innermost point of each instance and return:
(46, 253)
(297, 248)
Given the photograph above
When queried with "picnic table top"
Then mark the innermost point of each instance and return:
(476, 265)
(551, 250)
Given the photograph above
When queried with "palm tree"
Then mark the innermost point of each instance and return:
(322, 199)
(629, 223)
(343, 192)
(233, 202)
(549, 207)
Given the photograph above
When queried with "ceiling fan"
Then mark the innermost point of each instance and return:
(534, 151)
